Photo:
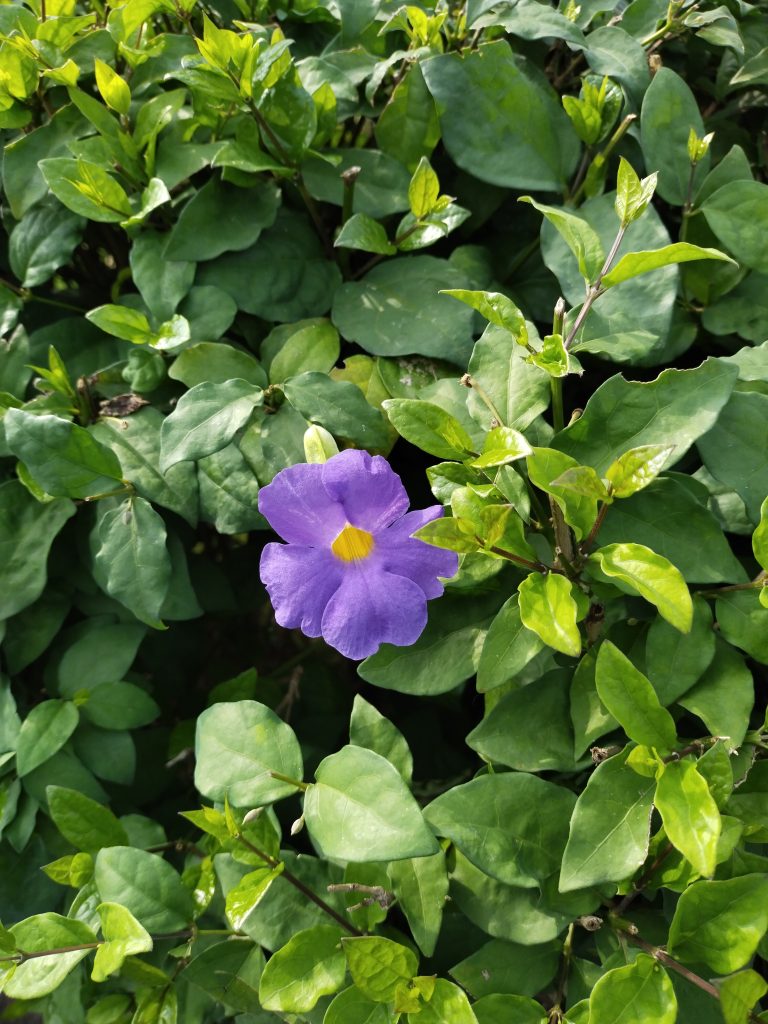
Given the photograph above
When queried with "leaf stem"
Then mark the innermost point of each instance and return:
(302, 888)
(291, 782)
(590, 539)
(595, 289)
(469, 382)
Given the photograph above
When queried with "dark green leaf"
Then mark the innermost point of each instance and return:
(480, 96)
(610, 827)
(64, 459)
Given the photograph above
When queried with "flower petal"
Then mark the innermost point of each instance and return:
(300, 582)
(372, 607)
(398, 552)
(298, 507)
(368, 489)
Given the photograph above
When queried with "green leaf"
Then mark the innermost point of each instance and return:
(545, 467)
(122, 322)
(720, 923)
(582, 480)
(669, 519)
(633, 264)
(41, 975)
(529, 729)
(588, 714)
(500, 119)
(146, 885)
(580, 238)
(396, 309)
(237, 745)
(423, 190)
(229, 972)
(311, 965)
(131, 562)
(518, 390)
(724, 696)
(610, 826)
(64, 459)
(737, 214)
(674, 661)
(632, 194)
(27, 531)
(408, 128)
(206, 419)
(421, 887)
(504, 911)
(738, 995)
(548, 608)
(429, 427)
(162, 283)
(448, 1002)
(364, 233)
(455, 533)
(741, 618)
(634, 994)
(86, 189)
(229, 492)
(502, 445)
(370, 729)
(114, 89)
(637, 569)
(381, 188)
(496, 308)
(136, 441)
(690, 815)
(632, 701)
(511, 826)
(291, 349)
(731, 449)
(679, 406)
(668, 113)
(760, 537)
(340, 407)
(212, 222)
(499, 1008)
(83, 822)
(283, 277)
(119, 706)
(360, 809)
(505, 967)
(243, 899)
(123, 936)
(45, 730)
(352, 1007)
(637, 468)
(42, 242)
(379, 966)
(508, 648)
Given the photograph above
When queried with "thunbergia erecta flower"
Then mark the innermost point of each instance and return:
(351, 571)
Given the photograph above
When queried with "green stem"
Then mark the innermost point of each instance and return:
(595, 290)
(470, 382)
(603, 155)
(291, 782)
(517, 559)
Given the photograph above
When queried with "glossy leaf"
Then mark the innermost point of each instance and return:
(632, 701)
(311, 965)
(547, 608)
(636, 568)
(610, 827)
(689, 813)
(360, 809)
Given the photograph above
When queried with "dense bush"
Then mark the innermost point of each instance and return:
(530, 242)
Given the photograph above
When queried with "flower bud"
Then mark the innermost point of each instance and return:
(319, 445)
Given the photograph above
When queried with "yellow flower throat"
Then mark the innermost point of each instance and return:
(352, 545)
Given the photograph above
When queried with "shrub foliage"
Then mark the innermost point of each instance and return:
(530, 243)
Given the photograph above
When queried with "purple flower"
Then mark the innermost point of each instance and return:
(351, 571)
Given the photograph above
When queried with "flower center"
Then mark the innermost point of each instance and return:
(352, 545)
